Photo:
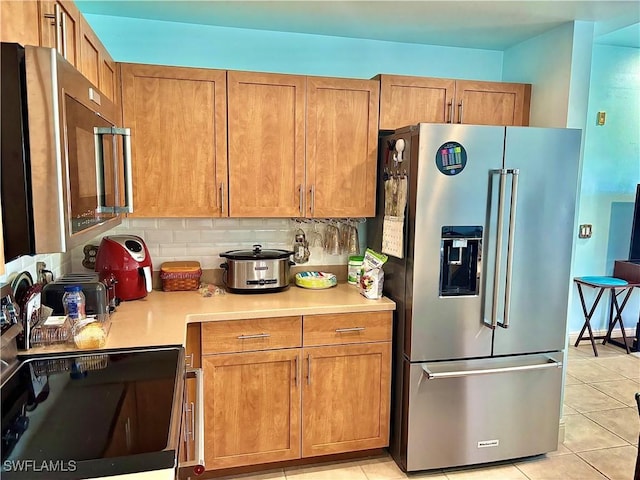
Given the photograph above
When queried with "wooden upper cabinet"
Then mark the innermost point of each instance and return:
(345, 398)
(90, 61)
(406, 100)
(177, 118)
(95, 62)
(266, 122)
(410, 100)
(20, 22)
(341, 147)
(492, 103)
(252, 408)
(109, 78)
(60, 28)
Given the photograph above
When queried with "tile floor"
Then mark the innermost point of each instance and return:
(601, 436)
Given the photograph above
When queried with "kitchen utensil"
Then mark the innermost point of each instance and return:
(125, 260)
(353, 242)
(20, 285)
(300, 247)
(256, 270)
(316, 280)
(99, 296)
(315, 237)
(332, 239)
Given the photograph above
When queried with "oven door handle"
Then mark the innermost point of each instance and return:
(125, 133)
(198, 413)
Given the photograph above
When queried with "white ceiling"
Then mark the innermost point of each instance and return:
(494, 25)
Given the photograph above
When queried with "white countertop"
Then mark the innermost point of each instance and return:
(160, 318)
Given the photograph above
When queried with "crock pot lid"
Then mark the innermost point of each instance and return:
(256, 253)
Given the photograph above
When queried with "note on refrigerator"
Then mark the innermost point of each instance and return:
(392, 236)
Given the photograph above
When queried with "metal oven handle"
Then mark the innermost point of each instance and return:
(98, 133)
(197, 430)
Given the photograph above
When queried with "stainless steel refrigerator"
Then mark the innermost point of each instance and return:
(479, 266)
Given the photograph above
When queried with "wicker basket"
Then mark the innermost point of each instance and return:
(177, 276)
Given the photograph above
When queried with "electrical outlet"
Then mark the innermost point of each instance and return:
(602, 118)
(585, 231)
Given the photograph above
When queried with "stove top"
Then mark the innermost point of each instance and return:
(92, 415)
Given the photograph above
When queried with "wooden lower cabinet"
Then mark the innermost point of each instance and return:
(252, 408)
(345, 398)
(325, 390)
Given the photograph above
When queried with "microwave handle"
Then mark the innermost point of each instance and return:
(125, 133)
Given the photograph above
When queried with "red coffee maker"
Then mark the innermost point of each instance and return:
(125, 260)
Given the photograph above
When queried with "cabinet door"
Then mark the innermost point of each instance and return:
(410, 100)
(266, 144)
(177, 118)
(108, 76)
(251, 408)
(90, 61)
(60, 28)
(19, 22)
(492, 103)
(341, 146)
(345, 398)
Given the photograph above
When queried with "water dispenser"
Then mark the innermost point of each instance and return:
(460, 260)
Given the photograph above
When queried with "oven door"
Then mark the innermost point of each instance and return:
(94, 174)
(80, 162)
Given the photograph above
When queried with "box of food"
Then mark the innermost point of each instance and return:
(183, 275)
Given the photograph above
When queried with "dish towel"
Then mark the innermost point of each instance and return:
(393, 223)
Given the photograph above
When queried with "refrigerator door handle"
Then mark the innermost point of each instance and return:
(496, 273)
(515, 174)
(485, 371)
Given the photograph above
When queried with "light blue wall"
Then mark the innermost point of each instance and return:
(169, 43)
(550, 75)
(611, 170)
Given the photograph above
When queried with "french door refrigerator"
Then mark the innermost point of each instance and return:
(479, 267)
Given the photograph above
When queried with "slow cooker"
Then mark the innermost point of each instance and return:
(256, 270)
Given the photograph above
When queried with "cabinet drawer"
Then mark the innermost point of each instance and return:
(251, 335)
(347, 328)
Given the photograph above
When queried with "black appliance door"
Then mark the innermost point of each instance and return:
(15, 165)
(92, 167)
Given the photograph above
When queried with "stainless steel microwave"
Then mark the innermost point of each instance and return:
(74, 160)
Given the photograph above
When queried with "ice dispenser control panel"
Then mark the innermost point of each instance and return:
(460, 260)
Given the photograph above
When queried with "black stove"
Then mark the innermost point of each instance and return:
(92, 415)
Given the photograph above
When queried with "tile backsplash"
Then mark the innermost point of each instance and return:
(201, 239)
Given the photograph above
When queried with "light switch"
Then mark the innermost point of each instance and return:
(602, 117)
(585, 231)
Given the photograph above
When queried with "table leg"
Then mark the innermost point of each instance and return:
(618, 317)
(587, 318)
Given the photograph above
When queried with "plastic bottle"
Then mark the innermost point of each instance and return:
(74, 302)
(354, 267)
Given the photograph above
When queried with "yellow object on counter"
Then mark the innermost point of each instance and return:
(316, 280)
(89, 335)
